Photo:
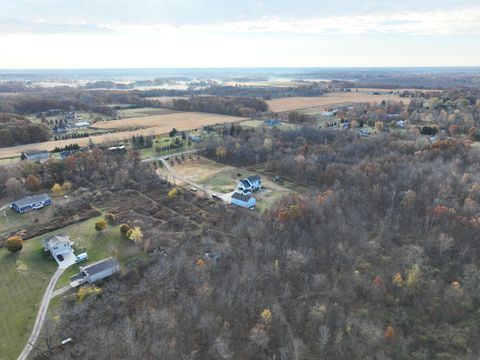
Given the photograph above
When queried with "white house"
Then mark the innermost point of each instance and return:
(249, 184)
(246, 201)
(58, 244)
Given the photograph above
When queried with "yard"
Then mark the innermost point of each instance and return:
(224, 178)
(24, 277)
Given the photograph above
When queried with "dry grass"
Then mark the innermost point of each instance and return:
(199, 170)
(180, 121)
(154, 125)
(297, 103)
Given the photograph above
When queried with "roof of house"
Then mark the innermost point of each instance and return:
(245, 183)
(32, 153)
(241, 197)
(253, 178)
(29, 200)
(57, 239)
(99, 266)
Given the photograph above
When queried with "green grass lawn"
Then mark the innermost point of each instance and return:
(24, 277)
(11, 220)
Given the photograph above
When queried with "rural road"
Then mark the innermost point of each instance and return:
(42, 312)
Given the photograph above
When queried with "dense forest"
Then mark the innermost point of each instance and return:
(376, 258)
(17, 130)
(239, 106)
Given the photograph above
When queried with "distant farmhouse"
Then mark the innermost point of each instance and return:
(95, 272)
(272, 122)
(250, 184)
(36, 155)
(34, 202)
(246, 201)
(196, 138)
(82, 124)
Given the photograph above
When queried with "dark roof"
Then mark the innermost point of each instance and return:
(245, 183)
(30, 200)
(31, 153)
(241, 197)
(100, 266)
(254, 178)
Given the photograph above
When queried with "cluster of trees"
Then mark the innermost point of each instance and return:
(70, 147)
(141, 142)
(378, 258)
(95, 168)
(17, 130)
(239, 106)
(73, 135)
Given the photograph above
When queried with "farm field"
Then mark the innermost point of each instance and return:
(24, 277)
(260, 123)
(156, 125)
(180, 121)
(139, 112)
(298, 103)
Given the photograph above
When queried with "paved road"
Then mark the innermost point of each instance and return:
(42, 312)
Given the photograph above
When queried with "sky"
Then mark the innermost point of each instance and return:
(42, 34)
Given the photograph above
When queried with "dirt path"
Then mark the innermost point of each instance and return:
(42, 312)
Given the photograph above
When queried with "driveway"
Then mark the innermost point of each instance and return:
(42, 312)
(68, 260)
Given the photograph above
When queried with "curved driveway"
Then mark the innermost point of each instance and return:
(42, 312)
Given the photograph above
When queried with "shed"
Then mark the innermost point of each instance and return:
(31, 202)
(100, 270)
(37, 155)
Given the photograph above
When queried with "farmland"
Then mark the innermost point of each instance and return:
(164, 123)
(298, 103)
(154, 125)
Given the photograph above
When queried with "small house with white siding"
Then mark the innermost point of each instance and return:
(243, 200)
(58, 244)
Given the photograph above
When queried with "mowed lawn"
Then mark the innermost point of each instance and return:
(24, 277)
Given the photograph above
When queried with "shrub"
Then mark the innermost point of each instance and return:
(110, 218)
(124, 228)
(14, 244)
(88, 291)
(100, 225)
(135, 234)
(172, 193)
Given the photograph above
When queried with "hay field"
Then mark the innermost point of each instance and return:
(298, 103)
(180, 121)
(154, 125)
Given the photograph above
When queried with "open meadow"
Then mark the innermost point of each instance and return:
(330, 99)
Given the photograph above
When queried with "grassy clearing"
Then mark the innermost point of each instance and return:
(21, 290)
(139, 112)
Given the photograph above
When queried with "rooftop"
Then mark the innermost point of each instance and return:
(241, 197)
(254, 178)
(58, 239)
(100, 266)
(29, 200)
(39, 152)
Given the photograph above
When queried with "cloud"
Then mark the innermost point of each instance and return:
(16, 26)
(419, 23)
